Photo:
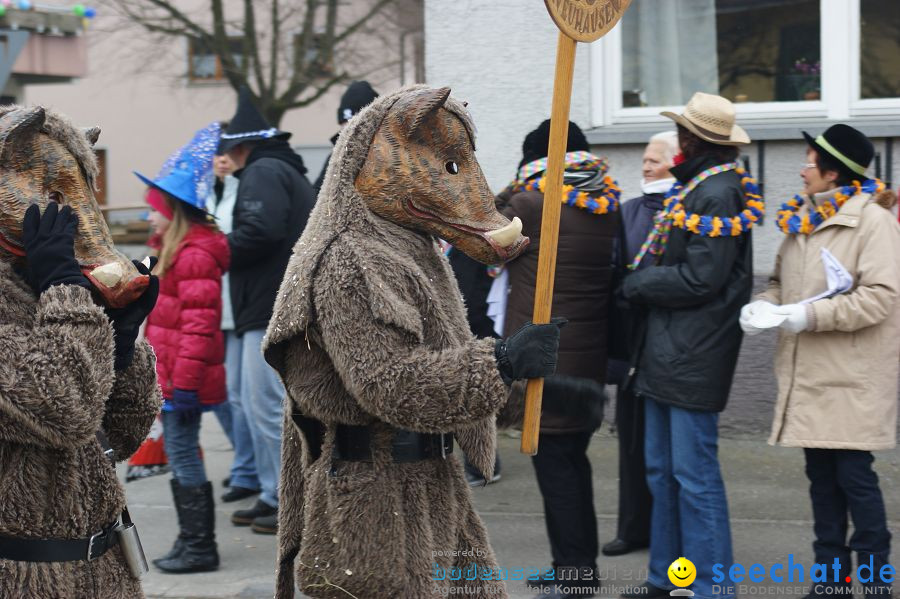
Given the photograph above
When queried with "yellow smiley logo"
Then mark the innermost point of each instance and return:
(682, 572)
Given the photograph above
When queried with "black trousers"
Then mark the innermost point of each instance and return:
(635, 500)
(564, 477)
(842, 481)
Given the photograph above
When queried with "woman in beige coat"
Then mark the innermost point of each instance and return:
(837, 358)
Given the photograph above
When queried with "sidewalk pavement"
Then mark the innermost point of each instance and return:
(767, 493)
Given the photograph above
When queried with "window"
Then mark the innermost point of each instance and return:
(317, 64)
(879, 56)
(205, 65)
(776, 59)
(745, 50)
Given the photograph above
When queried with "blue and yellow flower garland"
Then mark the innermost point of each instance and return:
(603, 203)
(715, 226)
(674, 213)
(791, 223)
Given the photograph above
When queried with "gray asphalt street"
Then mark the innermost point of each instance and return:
(767, 491)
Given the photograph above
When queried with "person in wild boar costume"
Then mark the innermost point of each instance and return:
(381, 370)
(70, 369)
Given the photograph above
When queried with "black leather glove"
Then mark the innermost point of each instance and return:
(126, 322)
(530, 352)
(186, 404)
(49, 241)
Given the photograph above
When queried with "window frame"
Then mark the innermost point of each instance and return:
(219, 77)
(839, 101)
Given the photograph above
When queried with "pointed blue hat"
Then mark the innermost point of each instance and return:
(188, 174)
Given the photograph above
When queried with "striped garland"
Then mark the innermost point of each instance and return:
(580, 158)
(792, 223)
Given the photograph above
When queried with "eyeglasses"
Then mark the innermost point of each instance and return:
(809, 165)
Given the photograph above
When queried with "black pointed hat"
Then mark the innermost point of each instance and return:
(247, 124)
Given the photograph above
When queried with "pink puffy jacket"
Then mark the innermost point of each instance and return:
(184, 327)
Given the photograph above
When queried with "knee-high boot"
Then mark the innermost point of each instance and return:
(197, 523)
(178, 546)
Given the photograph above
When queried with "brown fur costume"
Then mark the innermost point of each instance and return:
(369, 328)
(57, 388)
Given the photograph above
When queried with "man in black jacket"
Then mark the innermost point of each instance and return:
(684, 367)
(274, 200)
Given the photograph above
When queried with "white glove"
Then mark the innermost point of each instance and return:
(795, 314)
(747, 313)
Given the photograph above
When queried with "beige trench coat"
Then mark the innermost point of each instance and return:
(837, 381)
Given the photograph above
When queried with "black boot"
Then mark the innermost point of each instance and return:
(199, 553)
(178, 546)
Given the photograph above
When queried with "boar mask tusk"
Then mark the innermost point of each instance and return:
(108, 274)
(506, 236)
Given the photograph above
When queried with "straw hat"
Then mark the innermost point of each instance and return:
(710, 118)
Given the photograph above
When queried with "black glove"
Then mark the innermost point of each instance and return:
(126, 322)
(186, 404)
(49, 241)
(530, 352)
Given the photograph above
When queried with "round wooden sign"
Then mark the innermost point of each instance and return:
(586, 20)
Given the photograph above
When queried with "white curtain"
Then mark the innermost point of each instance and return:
(669, 51)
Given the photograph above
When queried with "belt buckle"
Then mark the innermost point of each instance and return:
(95, 541)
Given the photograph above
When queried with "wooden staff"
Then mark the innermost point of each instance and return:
(578, 21)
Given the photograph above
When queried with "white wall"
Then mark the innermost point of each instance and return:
(500, 57)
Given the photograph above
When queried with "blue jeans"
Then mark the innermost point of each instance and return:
(690, 510)
(261, 397)
(243, 467)
(181, 438)
(225, 418)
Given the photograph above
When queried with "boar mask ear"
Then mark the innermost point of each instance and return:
(92, 134)
(17, 128)
(417, 108)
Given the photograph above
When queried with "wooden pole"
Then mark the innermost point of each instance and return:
(556, 156)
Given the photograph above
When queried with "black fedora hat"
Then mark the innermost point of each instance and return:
(848, 146)
(248, 124)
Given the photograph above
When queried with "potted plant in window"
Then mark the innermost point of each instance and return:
(805, 79)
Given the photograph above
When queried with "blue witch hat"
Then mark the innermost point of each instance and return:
(188, 175)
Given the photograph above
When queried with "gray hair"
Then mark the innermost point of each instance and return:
(669, 139)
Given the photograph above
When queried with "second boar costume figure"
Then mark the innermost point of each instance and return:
(382, 373)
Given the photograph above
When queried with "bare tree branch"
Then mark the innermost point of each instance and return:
(273, 53)
(376, 8)
(297, 56)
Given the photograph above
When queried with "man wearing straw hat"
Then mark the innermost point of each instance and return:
(700, 251)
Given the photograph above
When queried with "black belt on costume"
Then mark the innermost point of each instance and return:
(59, 550)
(354, 444)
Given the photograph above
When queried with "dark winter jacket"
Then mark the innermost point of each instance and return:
(475, 285)
(636, 222)
(320, 180)
(57, 388)
(580, 294)
(184, 327)
(694, 298)
(273, 203)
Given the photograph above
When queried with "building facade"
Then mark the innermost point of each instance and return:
(789, 66)
(149, 94)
